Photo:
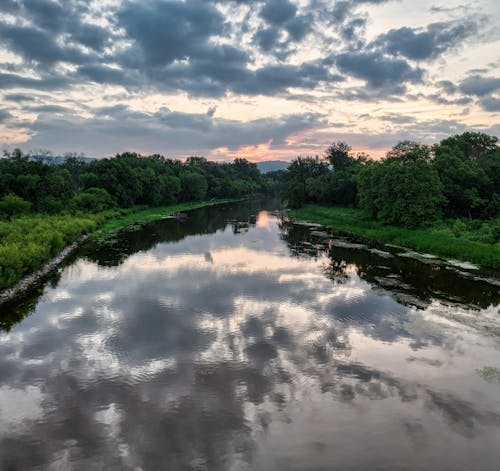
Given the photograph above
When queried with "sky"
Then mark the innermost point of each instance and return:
(262, 80)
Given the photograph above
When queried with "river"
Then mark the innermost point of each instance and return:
(238, 340)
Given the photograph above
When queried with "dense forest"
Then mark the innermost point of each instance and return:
(28, 183)
(45, 206)
(413, 185)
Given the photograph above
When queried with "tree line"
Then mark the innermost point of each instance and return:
(28, 183)
(413, 185)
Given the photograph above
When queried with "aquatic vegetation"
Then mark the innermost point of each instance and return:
(437, 239)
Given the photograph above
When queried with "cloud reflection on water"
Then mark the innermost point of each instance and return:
(249, 358)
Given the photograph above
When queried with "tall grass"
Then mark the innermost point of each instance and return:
(438, 239)
(28, 241)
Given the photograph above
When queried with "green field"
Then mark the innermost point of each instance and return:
(447, 239)
(28, 241)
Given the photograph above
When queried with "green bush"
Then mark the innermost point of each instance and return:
(459, 228)
(28, 241)
(12, 205)
(94, 199)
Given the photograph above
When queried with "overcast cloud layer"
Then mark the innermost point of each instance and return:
(262, 80)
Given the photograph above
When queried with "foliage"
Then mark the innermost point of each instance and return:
(468, 166)
(330, 180)
(403, 189)
(129, 178)
(88, 190)
(28, 241)
(193, 186)
(413, 185)
(300, 171)
(438, 239)
(11, 205)
(94, 200)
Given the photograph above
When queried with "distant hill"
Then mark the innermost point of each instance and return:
(272, 165)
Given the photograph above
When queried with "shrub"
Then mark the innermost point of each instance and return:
(11, 205)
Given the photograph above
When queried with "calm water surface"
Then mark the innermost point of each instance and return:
(237, 340)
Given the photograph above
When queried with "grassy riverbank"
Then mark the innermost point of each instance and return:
(27, 242)
(447, 239)
(150, 214)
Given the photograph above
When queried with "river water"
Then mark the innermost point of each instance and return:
(239, 340)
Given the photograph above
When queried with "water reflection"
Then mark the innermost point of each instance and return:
(201, 347)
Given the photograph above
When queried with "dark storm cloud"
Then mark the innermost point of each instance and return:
(447, 86)
(118, 128)
(278, 11)
(40, 46)
(267, 38)
(391, 93)
(377, 69)
(37, 33)
(104, 74)
(92, 36)
(19, 97)
(193, 47)
(275, 78)
(490, 103)
(484, 89)
(479, 86)
(50, 82)
(49, 109)
(4, 115)
(342, 9)
(168, 31)
(353, 29)
(299, 26)
(172, 47)
(440, 100)
(428, 43)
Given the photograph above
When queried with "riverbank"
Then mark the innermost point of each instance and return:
(144, 215)
(439, 239)
(32, 245)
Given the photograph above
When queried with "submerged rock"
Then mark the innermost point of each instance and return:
(422, 257)
(381, 253)
(464, 265)
(307, 224)
(320, 234)
(346, 245)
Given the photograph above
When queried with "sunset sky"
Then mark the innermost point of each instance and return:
(257, 79)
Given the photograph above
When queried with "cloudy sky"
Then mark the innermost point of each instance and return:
(257, 79)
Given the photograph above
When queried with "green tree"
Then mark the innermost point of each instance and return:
(402, 189)
(296, 176)
(338, 155)
(13, 205)
(94, 199)
(468, 166)
(193, 185)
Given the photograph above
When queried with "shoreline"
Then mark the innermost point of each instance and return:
(154, 213)
(30, 280)
(351, 222)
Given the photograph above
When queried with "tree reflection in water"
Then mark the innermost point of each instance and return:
(187, 346)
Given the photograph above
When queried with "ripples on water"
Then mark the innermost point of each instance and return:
(238, 340)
